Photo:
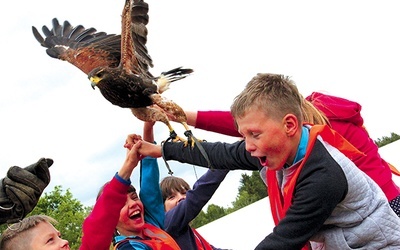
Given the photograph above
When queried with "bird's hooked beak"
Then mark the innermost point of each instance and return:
(94, 81)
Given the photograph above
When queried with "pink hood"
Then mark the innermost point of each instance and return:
(336, 108)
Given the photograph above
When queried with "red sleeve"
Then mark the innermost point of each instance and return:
(217, 121)
(98, 228)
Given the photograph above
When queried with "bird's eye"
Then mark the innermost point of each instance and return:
(100, 74)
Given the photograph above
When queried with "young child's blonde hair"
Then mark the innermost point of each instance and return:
(18, 236)
(312, 115)
(275, 95)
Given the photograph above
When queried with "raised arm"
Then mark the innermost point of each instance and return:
(222, 155)
(148, 132)
(106, 210)
(150, 193)
(177, 219)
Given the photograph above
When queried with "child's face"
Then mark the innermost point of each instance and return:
(173, 200)
(46, 237)
(270, 140)
(131, 216)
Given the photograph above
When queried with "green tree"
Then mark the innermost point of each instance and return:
(213, 212)
(386, 139)
(251, 189)
(200, 220)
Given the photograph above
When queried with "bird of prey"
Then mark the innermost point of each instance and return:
(119, 65)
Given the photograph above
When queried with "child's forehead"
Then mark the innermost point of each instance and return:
(178, 189)
(44, 225)
(43, 228)
(41, 233)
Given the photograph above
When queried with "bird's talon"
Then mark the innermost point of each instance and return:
(178, 139)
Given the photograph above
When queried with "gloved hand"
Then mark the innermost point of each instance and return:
(20, 190)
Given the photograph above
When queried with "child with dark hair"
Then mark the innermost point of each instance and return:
(182, 204)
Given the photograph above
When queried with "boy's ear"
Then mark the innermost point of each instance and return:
(291, 124)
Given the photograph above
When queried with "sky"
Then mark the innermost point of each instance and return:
(48, 108)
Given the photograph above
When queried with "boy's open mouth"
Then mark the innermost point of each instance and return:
(135, 215)
(263, 160)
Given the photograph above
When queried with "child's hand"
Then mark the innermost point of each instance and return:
(131, 161)
(145, 149)
(133, 156)
(131, 140)
(150, 149)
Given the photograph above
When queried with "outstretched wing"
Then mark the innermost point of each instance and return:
(85, 48)
(134, 55)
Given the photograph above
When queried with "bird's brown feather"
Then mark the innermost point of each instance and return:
(84, 48)
(118, 64)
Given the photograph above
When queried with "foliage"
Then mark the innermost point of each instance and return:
(213, 212)
(386, 140)
(68, 211)
(251, 189)
(200, 220)
(3, 227)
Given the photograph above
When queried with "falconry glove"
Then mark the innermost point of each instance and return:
(21, 189)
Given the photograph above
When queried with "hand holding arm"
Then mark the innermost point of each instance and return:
(146, 148)
(150, 149)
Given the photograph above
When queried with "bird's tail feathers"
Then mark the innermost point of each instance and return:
(177, 73)
(165, 79)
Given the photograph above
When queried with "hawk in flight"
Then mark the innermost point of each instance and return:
(119, 65)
